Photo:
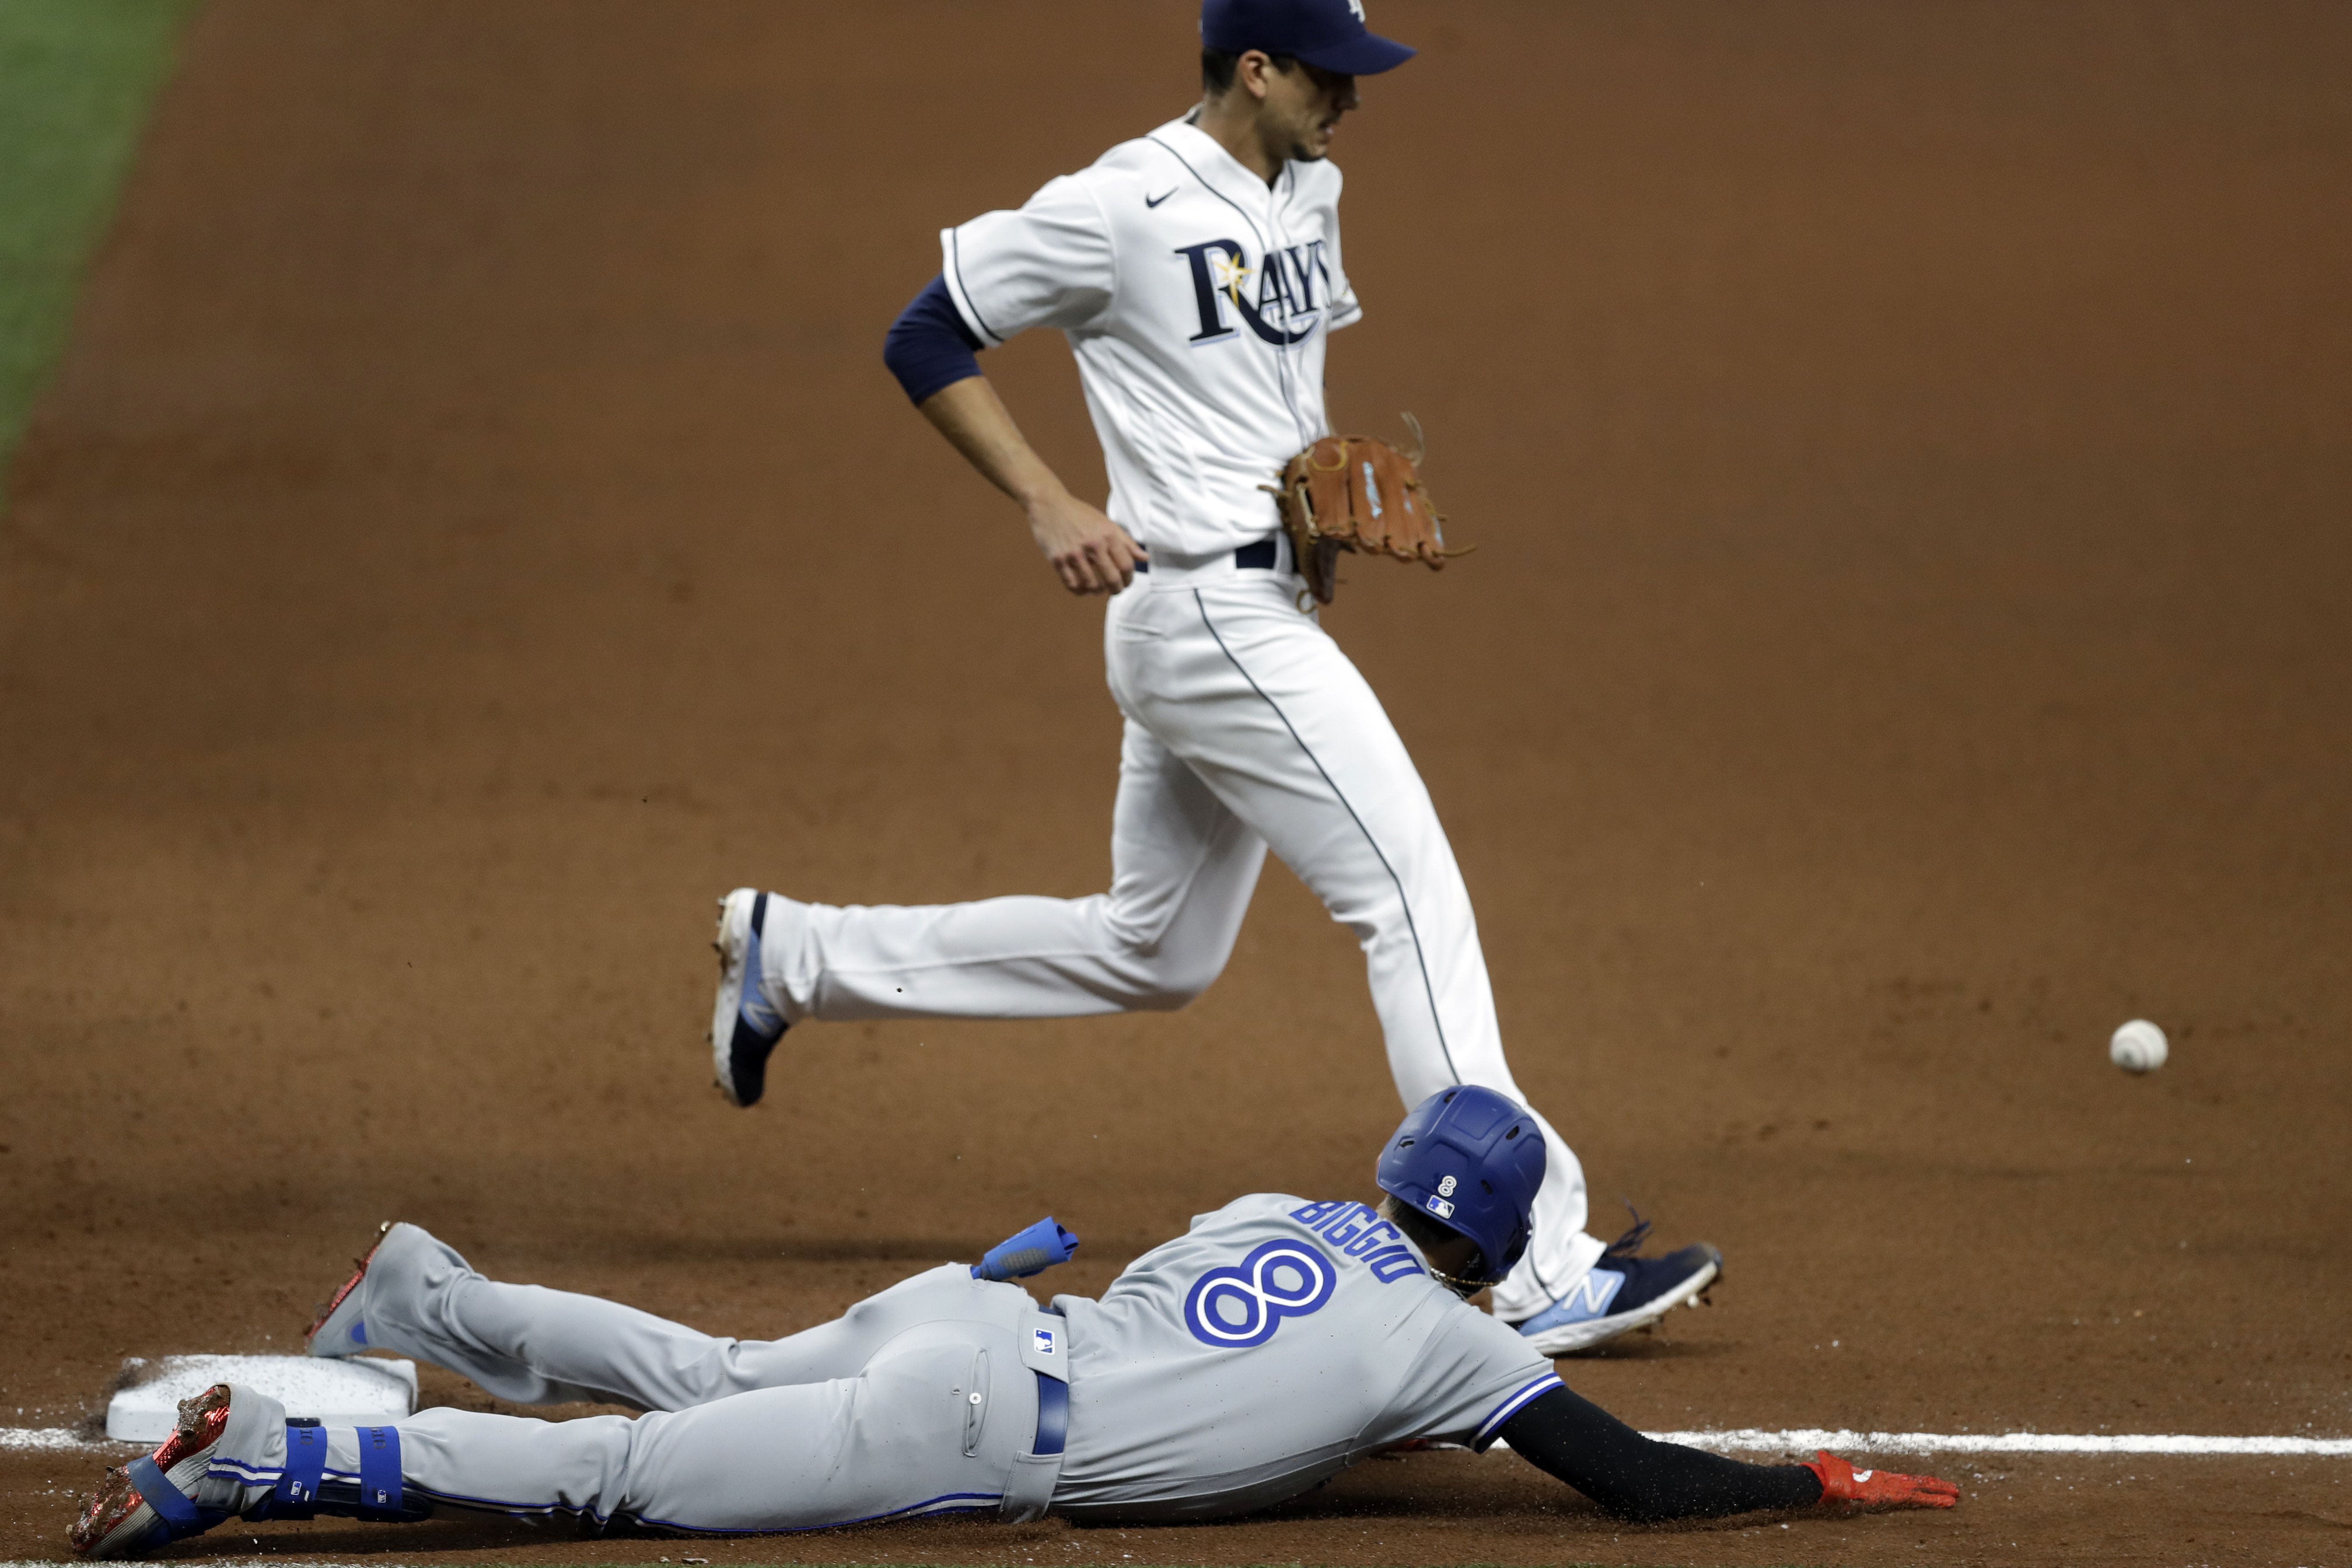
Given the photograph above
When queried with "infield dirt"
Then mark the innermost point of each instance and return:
(472, 530)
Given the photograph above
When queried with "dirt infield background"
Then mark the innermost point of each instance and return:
(1909, 447)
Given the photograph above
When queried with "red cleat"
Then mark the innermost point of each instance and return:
(335, 1332)
(119, 1520)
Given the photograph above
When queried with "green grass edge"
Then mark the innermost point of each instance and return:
(76, 81)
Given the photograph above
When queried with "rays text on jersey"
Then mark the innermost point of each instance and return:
(1285, 292)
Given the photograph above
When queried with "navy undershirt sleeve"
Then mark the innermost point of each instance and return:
(929, 347)
(1638, 1477)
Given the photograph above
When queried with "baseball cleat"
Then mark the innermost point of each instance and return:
(172, 1493)
(1621, 1292)
(744, 1026)
(338, 1329)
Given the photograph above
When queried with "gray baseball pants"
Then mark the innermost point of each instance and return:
(921, 1400)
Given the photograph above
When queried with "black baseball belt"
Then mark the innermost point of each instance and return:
(1259, 555)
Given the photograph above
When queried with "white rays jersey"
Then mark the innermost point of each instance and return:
(1196, 300)
(1272, 1345)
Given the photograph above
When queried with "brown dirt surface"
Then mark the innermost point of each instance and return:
(472, 530)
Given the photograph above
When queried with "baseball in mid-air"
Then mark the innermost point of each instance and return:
(2138, 1047)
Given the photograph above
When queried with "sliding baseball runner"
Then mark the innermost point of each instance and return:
(1198, 272)
(1274, 1344)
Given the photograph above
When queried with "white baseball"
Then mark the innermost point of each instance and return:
(2138, 1047)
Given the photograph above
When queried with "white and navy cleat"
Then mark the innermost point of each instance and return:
(744, 1025)
(339, 1329)
(1621, 1292)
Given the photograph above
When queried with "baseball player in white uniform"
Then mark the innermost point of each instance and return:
(1197, 272)
(1274, 1344)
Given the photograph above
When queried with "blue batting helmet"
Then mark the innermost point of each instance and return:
(1471, 1160)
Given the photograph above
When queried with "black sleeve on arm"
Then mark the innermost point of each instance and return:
(929, 347)
(1637, 1478)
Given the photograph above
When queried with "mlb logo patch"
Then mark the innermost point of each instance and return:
(1439, 1207)
(1044, 1341)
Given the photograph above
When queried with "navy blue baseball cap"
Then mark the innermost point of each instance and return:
(1328, 34)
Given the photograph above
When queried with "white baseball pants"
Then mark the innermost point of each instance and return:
(1246, 728)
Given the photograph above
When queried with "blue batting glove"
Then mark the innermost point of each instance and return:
(1032, 1251)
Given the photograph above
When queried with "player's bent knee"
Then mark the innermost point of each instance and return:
(1161, 977)
(1168, 987)
(1163, 999)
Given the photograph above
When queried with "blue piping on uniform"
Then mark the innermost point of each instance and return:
(1517, 1403)
(1428, 987)
(955, 259)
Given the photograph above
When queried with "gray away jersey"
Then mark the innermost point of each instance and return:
(1275, 1343)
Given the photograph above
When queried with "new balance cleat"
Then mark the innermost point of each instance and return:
(195, 1480)
(339, 1329)
(1621, 1292)
(744, 1025)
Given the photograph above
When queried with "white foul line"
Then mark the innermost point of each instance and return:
(1758, 1440)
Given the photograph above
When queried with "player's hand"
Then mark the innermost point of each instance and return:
(1842, 1483)
(1090, 553)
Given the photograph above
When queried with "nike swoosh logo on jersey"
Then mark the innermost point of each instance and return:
(1155, 201)
(1862, 1475)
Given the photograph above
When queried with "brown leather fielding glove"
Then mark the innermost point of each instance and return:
(1842, 1483)
(1351, 492)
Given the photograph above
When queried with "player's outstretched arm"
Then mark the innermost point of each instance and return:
(1640, 1478)
(1089, 553)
